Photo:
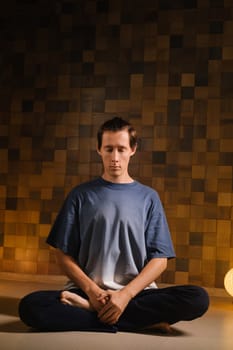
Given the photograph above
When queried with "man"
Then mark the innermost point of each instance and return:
(112, 241)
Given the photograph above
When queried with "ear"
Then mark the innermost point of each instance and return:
(134, 149)
(97, 150)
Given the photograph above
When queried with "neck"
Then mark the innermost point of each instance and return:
(119, 180)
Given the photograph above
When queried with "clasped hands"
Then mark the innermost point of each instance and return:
(110, 304)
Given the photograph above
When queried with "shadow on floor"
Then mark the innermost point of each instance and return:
(14, 327)
(19, 327)
(9, 306)
(175, 332)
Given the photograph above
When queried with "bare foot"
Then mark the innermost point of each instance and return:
(75, 300)
(162, 327)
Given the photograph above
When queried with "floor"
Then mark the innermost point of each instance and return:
(212, 331)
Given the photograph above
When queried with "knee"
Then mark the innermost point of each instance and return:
(200, 300)
(26, 309)
(31, 309)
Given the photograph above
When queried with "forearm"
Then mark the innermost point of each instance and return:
(149, 274)
(71, 269)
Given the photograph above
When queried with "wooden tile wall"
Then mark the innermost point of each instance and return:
(167, 66)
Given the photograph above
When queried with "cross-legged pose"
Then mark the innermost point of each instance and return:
(112, 241)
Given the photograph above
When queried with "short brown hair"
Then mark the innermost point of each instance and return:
(117, 124)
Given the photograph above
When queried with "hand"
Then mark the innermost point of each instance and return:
(115, 306)
(98, 300)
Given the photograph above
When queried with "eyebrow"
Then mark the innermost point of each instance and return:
(117, 146)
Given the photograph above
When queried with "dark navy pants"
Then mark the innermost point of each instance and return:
(42, 310)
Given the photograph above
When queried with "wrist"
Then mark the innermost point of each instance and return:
(93, 290)
(128, 292)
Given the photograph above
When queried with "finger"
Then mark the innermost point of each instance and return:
(104, 310)
(107, 311)
(109, 318)
(103, 299)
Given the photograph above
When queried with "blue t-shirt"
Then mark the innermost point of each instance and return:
(112, 230)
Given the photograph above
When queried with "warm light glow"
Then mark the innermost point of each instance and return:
(228, 282)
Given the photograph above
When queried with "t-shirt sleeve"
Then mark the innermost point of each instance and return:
(158, 238)
(65, 230)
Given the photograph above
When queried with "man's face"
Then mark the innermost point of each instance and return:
(116, 152)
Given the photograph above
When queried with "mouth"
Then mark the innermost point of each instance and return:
(114, 167)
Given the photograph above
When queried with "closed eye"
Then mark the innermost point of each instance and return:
(121, 149)
(108, 149)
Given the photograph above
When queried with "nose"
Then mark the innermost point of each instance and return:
(114, 156)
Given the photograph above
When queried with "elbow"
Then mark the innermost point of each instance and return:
(164, 264)
(59, 256)
(62, 259)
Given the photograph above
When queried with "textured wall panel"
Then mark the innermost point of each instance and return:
(167, 66)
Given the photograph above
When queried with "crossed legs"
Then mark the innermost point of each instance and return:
(63, 311)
